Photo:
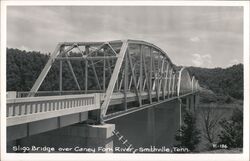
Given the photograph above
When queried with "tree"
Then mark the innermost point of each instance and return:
(210, 118)
(188, 135)
(225, 82)
(232, 130)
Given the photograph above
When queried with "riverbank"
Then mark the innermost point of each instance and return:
(209, 99)
(212, 109)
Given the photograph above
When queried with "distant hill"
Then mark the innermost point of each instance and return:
(24, 67)
(228, 81)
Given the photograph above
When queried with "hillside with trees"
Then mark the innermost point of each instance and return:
(227, 82)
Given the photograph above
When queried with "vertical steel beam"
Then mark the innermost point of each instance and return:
(110, 73)
(156, 79)
(179, 82)
(169, 83)
(173, 85)
(161, 78)
(144, 84)
(141, 71)
(72, 71)
(104, 74)
(130, 81)
(122, 79)
(86, 70)
(112, 82)
(166, 80)
(73, 74)
(138, 82)
(150, 73)
(158, 75)
(60, 71)
(193, 79)
(147, 78)
(60, 77)
(125, 81)
(95, 74)
(134, 78)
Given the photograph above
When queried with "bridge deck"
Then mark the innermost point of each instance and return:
(25, 110)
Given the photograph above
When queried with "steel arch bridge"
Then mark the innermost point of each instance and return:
(137, 72)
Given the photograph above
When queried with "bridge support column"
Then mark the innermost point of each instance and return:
(100, 137)
(196, 101)
(180, 112)
(192, 108)
(151, 125)
(187, 103)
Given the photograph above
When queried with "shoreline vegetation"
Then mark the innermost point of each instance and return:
(209, 99)
(213, 110)
(219, 118)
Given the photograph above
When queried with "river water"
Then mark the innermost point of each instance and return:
(155, 126)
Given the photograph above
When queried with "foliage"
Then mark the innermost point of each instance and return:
(188, 135)
(210, 117)
(23, 68)
(225, 82)
(232, 133)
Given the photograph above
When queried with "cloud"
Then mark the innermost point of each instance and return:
(195, 39)
(183, 29)
(202, 60)
(25, 48)
(233, 62)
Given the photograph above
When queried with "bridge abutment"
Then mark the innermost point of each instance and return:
(78, 138)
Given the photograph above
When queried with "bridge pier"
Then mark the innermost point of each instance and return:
(192, 108)
(196, 101)
(78, 138)
(99, 137)
(151, 125)
(190, 104)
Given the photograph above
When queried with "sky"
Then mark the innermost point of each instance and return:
(191, 36)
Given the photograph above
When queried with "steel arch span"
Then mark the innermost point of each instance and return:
(129, 67)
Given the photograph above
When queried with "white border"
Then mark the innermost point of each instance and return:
(187, 157)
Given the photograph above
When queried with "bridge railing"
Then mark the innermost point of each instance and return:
(24, 110)
(20, 94)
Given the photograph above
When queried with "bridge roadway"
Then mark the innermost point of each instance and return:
(32, 115)
(26, 110)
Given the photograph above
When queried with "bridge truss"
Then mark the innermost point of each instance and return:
(128, 67)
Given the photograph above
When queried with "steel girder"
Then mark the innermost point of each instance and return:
(61, 54)
(122, 66)
(186, 83)
(143, 67)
